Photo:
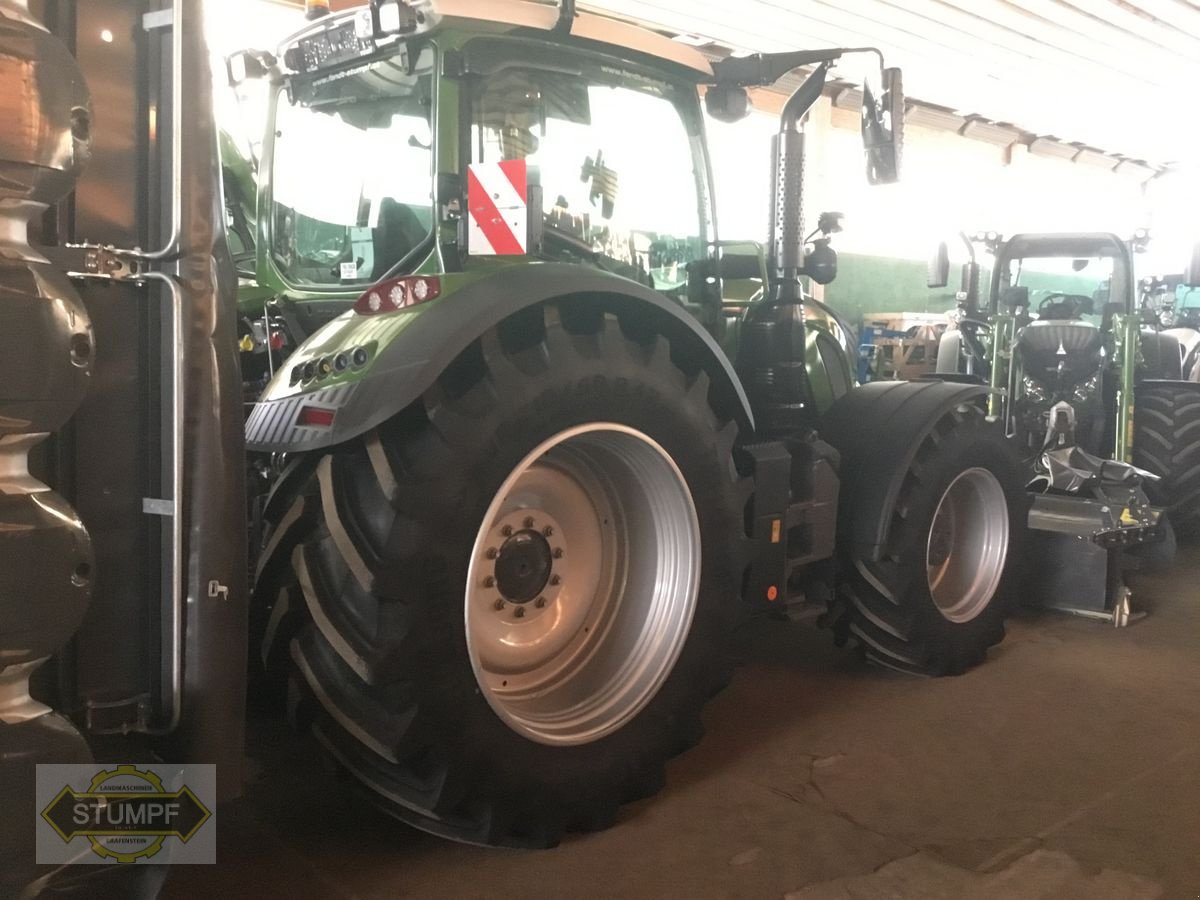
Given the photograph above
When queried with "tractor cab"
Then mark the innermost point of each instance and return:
(489, 139)
(1063, 294)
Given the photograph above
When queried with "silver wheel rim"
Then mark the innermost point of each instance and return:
(582, 584)
(967, 545)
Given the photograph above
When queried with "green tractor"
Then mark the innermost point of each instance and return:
(536, 453)
(1061, 343)
(523, 482)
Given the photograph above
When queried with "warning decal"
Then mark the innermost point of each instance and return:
(496, 202)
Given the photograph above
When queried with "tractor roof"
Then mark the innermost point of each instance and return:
(541, 16)
(606, 30)
(1077, 244)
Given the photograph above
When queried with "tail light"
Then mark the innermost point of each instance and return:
(398, 293)
(315, 417)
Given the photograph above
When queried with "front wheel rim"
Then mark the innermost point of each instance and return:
(967, 545)
(582, 584)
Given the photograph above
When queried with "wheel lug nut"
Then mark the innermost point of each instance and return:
(558, 553)
(519, 612)
(539, 602)
(491, 553)
(499, 604)
(547, 531)
(555, 579)
(506, 531)
(529, 521)
(489, 581)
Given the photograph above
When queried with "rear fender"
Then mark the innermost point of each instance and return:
(410, 362)
(1162, 355)
(877, 429)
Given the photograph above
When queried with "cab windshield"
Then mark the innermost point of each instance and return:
(351, 174)
(1078, 284)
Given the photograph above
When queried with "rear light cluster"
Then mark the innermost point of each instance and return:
(398, 293)
(334, 364)
(315, 417)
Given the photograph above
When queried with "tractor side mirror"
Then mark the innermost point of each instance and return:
(245, 65)
(969, 290)
(938, 275)
(883, 126)
(727, 103)
(1191, 275)
(820, 263)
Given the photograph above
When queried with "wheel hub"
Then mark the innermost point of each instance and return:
(523, 566)
(967, 545)
(582, 584)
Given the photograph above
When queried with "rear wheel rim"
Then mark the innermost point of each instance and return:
(967, 545)
(582, 584)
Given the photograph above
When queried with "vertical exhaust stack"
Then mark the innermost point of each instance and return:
(787, 192)
(772, 357)
(46, 351)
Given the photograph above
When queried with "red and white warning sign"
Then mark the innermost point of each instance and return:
(499, 213)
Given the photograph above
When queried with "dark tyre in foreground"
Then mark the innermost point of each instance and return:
(505, 608)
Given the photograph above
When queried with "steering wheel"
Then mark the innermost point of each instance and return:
(1064, 306)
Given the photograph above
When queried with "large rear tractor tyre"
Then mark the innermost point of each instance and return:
(1166, 442)
(937, 599)
(504, 609)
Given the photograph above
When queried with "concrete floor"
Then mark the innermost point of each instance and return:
(1067, 766)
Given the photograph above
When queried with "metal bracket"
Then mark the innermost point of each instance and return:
(114, 263)
(118, 716)
(159, 18)
(153, 506)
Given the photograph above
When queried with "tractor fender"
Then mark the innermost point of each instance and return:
(877, 429)
(949, 354)
(1163, 353)
(409, 364)
(1189, 344)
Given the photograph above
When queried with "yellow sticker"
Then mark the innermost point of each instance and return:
(776, 530)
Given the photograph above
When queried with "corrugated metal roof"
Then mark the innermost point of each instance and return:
(1118, 75)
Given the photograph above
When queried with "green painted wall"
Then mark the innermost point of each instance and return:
(882, 284)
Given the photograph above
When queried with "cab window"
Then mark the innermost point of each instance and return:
(621, 172)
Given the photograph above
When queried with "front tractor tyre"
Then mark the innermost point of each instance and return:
(937, 598)
(505, 608)
(1166, 442)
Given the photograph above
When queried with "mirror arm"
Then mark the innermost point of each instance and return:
(764, 69)
(966, 239)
